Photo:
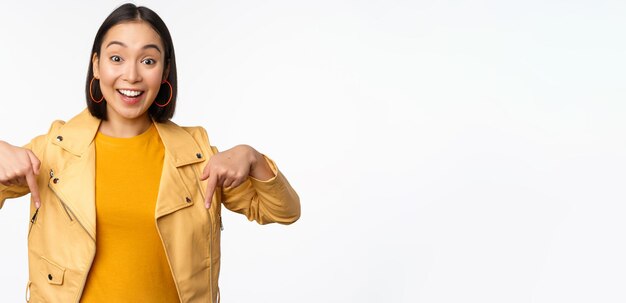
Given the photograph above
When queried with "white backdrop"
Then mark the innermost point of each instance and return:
(444, 151)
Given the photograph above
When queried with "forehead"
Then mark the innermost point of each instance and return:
(134, 34)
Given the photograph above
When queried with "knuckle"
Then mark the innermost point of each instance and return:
(13, 174)
(22, 171)
(24, 153)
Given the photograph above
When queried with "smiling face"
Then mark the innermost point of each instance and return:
(130, 69)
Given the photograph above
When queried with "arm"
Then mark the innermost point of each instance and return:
(271, 200)
(252, 185)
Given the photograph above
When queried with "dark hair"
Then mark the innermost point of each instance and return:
(125, 13)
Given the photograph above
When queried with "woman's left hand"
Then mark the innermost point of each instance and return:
(232, 167)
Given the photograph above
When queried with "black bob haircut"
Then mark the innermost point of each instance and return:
(132, 13)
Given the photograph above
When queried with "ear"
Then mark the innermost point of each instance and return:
(95, 62)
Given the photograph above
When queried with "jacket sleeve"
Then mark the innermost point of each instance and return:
(7, 192)
(270, 201)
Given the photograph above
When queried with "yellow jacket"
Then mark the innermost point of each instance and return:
(61, 237)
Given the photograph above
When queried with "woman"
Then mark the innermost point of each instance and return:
(126, 204)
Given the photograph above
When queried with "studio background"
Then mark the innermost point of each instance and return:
(443, 151)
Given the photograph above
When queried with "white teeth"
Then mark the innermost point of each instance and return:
(130, 93)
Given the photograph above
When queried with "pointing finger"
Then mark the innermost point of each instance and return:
(34, 161)
(34, 190)
(210, 189)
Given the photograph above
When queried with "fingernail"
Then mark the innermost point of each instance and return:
(37, 204)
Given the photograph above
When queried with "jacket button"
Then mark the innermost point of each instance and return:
(188, 199)
(55, 180)
(50, 277)
(199, 155)
(59, 138)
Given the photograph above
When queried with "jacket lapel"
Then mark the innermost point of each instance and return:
(74, 184)
(180, 150)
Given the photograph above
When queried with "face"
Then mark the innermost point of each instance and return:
(130, 69)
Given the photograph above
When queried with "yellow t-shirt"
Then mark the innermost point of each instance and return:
(130, 263)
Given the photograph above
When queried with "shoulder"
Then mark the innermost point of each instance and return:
(198, 132)
(174, 135)
(194, 130)
(41, 140)
(170, 128)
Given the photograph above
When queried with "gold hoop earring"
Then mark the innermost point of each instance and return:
(90, 92)
(171, 94)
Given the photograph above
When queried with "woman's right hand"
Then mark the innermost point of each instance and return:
(19, 166)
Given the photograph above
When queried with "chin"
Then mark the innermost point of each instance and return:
(129, 113)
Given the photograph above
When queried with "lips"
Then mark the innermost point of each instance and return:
(130, 96)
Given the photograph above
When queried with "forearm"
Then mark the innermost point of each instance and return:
(265, 200)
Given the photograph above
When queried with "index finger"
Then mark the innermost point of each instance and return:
(34, 190)
(210, 190)
(34, 161)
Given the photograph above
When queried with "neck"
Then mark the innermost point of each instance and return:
(124, 128)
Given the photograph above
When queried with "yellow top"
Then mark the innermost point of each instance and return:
(130, 263)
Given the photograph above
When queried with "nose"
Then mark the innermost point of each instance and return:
(132, 73)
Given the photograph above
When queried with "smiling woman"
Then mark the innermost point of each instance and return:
(130, 71)
(145, 192)
(133, 59)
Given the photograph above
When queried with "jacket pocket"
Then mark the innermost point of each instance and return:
(52, 272)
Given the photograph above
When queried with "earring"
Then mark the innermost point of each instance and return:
(91, 94)
(171, 94)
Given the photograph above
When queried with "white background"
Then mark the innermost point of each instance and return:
(444, 151)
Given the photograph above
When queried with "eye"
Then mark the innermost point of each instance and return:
(116, 58)
(148, 61)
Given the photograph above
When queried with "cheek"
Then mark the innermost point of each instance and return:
(153, 80)
(108, 75)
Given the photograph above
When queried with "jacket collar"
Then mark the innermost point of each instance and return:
(78, 133)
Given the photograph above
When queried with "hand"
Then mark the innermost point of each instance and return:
(232, 167)
(19, 166)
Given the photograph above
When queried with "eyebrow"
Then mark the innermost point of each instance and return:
(147, 46)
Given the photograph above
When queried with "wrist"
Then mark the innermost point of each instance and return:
(259, 168)
(254, 157)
